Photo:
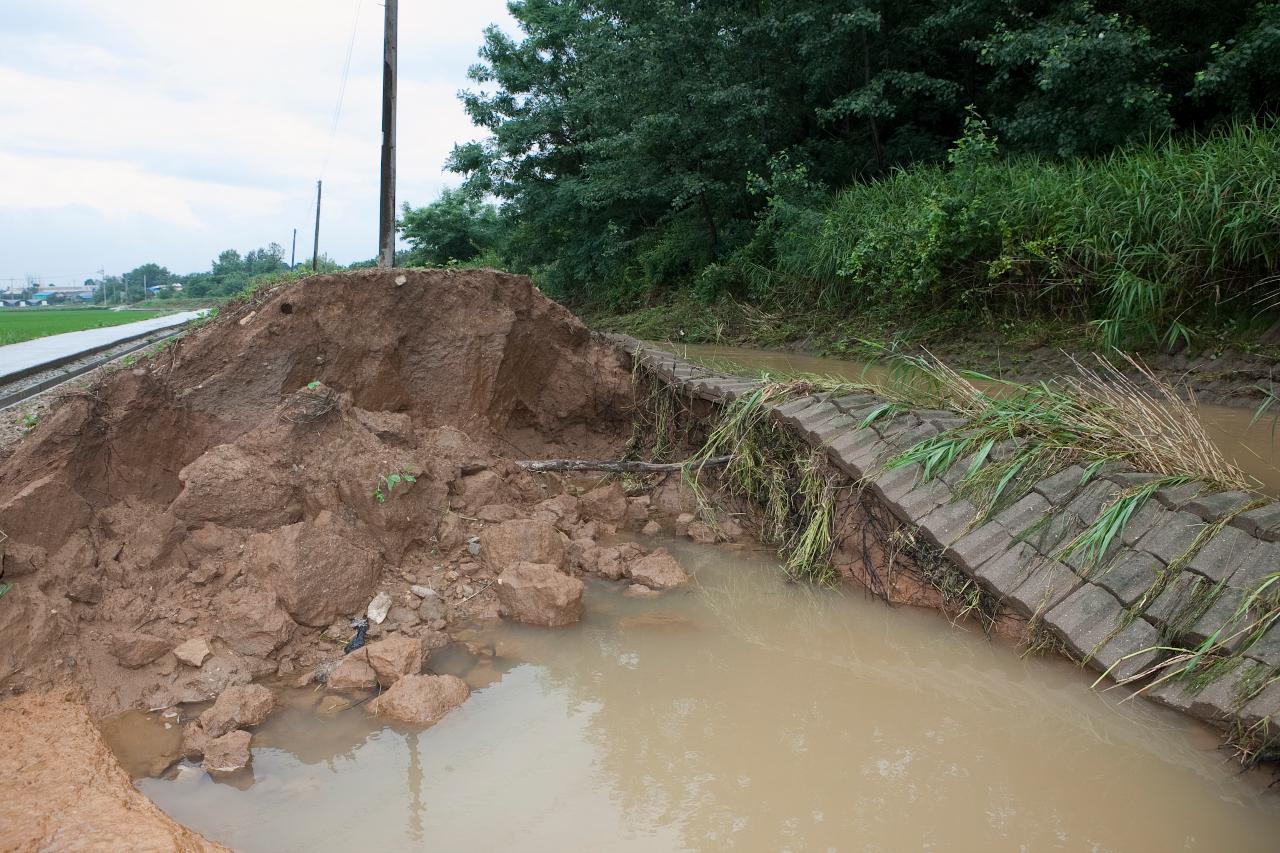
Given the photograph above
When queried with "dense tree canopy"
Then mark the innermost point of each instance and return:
(230, 272)
(457, 227)
(635, 143)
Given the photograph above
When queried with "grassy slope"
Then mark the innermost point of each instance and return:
(24, 324)
(1170, 246)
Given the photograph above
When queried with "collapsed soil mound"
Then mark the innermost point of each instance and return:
(64, 789)
(252, 484)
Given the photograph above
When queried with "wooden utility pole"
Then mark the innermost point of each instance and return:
(293, 252)
(315, 249)
(387, 195)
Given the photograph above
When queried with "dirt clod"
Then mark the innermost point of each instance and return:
(227, 754)
(394, 657)
(659, 570)
(193, 652)
(421, 700)
(133, 649)
(539, 594)
(242, 705)
(521, 540)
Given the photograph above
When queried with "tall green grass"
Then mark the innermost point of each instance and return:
(1145, 242)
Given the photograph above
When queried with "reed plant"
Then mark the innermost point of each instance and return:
(1016, 435)
(787, 480)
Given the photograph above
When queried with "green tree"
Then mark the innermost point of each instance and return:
(457, 226)
(1077, 82)
(1242, 74)
(138, 279)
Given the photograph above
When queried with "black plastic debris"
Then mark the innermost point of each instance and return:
(361, 625)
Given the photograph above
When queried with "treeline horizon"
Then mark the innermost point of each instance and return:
(228, 274)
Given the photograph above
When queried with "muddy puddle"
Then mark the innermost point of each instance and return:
(1253, 445)
(742, 714)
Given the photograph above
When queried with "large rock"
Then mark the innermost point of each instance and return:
(614, 560)
(64, 790)
(637, 511)
(242, 705)
(224, 669)
(604, 503)
(194, 741)
(659, 570)
(421, 700)
(133, 649)
(432, 607)
(561, 510)
(394, 428)
(226, 486)
(394, 657)
(319, 569)
(539, 594)
(521, 540)
(193, 652)
(85, 588)
(354, 672)
(702, 533)
(252, 622)
(21, 559)
(482, 489)
(227, 754)
(673, 496)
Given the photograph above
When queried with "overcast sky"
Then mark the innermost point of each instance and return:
(159, 131)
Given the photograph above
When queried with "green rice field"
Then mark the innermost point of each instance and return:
(23, 324)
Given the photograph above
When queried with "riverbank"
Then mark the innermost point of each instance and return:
(1157, 582)
(1237, 366)
(189, 539)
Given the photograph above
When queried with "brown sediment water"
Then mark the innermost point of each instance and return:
(1253, 444)
(743, 713)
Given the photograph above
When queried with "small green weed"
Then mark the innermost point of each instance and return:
(388, 482)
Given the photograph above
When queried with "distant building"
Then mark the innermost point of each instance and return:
(70, 289)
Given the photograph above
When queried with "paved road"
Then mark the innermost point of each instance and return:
(25, 357)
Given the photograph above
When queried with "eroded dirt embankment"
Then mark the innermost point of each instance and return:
(51, 754)
(227, 488)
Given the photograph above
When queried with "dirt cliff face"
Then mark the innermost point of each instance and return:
(253, 483)
(64, 790)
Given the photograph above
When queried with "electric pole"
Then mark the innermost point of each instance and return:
(387, 196)
(315, 250)
(293, 252)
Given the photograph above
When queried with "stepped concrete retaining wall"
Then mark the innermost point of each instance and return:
(1086, 607)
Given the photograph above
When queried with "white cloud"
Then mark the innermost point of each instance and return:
(207, 126)
(117, 190)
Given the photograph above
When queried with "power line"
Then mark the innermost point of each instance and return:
(333, 126)
(342, 88)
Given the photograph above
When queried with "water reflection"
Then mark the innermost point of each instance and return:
(743, 714)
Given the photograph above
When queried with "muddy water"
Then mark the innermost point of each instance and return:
(1254, 447)
(743, 714)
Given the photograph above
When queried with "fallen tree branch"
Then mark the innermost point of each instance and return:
(620, 466)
